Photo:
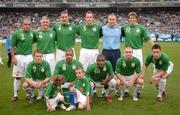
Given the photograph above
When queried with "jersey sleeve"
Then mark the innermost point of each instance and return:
(165, 64)
(87, 86)
(29, 71)
(148, 60)
(110, 69)
(49, 91)
(48, 70)
(14, 40)
(138, 66)
(145, 34)
(118, 64)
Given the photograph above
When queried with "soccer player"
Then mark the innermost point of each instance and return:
(162, 69)
(127, 70)
(37, 76)
(67, 68)
(45, 39)
(135, 34)
(90, 34)
(101, 73)
(65, 35)
(22, 40)
(53, 95)
(82, 90)
(111, 34)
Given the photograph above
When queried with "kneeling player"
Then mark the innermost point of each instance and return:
(162, 69)
(37, 76)
(101, 74)
(81, 88)
(127, 70)
(53, 95)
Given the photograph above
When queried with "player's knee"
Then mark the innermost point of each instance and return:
(112, 83)
(80, 106)
(61, 99)
(118, 82)
(140, 81)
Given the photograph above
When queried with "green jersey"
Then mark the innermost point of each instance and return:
(83, 85)
(127, 68)
(135, 35)
(98, 74)
(22, 41)
(52, 90)
(45, 41)
(38, 71)
(65, 35)
(68, 70)
(89, 36)
(161, 64)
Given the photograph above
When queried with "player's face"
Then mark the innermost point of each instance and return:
(79, 73)
(64, 19)
(100, 62)
(156, 53)
(112, 20)
(132, 20)
(128, 53)
(38, 58)
(89, 18)
(26, 25)
(45, 24)
(69, 56)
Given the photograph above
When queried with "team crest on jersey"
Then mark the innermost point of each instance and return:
(94, 29)
(84, 28)
(34, 68)
(51, 35)
(59, 28)
(124, 64)
(42, 69)
(160, 62)
(70, 28)
(64, 67)
(73, 67)
(40, 36)
(31, 34)
(104, 68)
(137, 30)
(83, 84)
(96, 71)
(133, 65)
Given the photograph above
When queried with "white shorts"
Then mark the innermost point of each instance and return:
(81, 98)
(169, 70)
(60, 55)
(88, 56)
(50, 58)
(138, 54)
(54, 101)
(20, 68)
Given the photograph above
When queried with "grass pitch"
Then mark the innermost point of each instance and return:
(147, 105)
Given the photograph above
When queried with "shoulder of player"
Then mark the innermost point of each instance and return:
(164, 56)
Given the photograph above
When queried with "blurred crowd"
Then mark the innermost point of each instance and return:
(156, 21)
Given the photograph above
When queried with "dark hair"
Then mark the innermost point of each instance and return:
(69, 50)
(89, 12)
(156, 46)
(100, 55)
(63, 12)
(132, 14)
(78, 68)
(37, 51)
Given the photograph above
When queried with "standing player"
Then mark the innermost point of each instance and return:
(82, 90)
(37, 76)
(90, 34)
(53, 95)
(101, 73)
(128, 69)
(111, 34)
(162, 69)
(45, 39)
(22, 40)
(65, 35)
(135, 34)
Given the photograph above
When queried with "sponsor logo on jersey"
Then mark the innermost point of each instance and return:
(84, 28)
(42, 69)
(124, 64)
(133, 65)
(70, 28)
(96, 71)
(137, 30)
(73, 67)
(40, 36)
(160, 62)
(94, 29)
(34, 68)
(104, 68)
(22, 36)
(51, 35)
(31, 34)
(64, 67)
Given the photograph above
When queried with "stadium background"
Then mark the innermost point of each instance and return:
(161, 17)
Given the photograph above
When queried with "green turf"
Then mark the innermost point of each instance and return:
(147, 105)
